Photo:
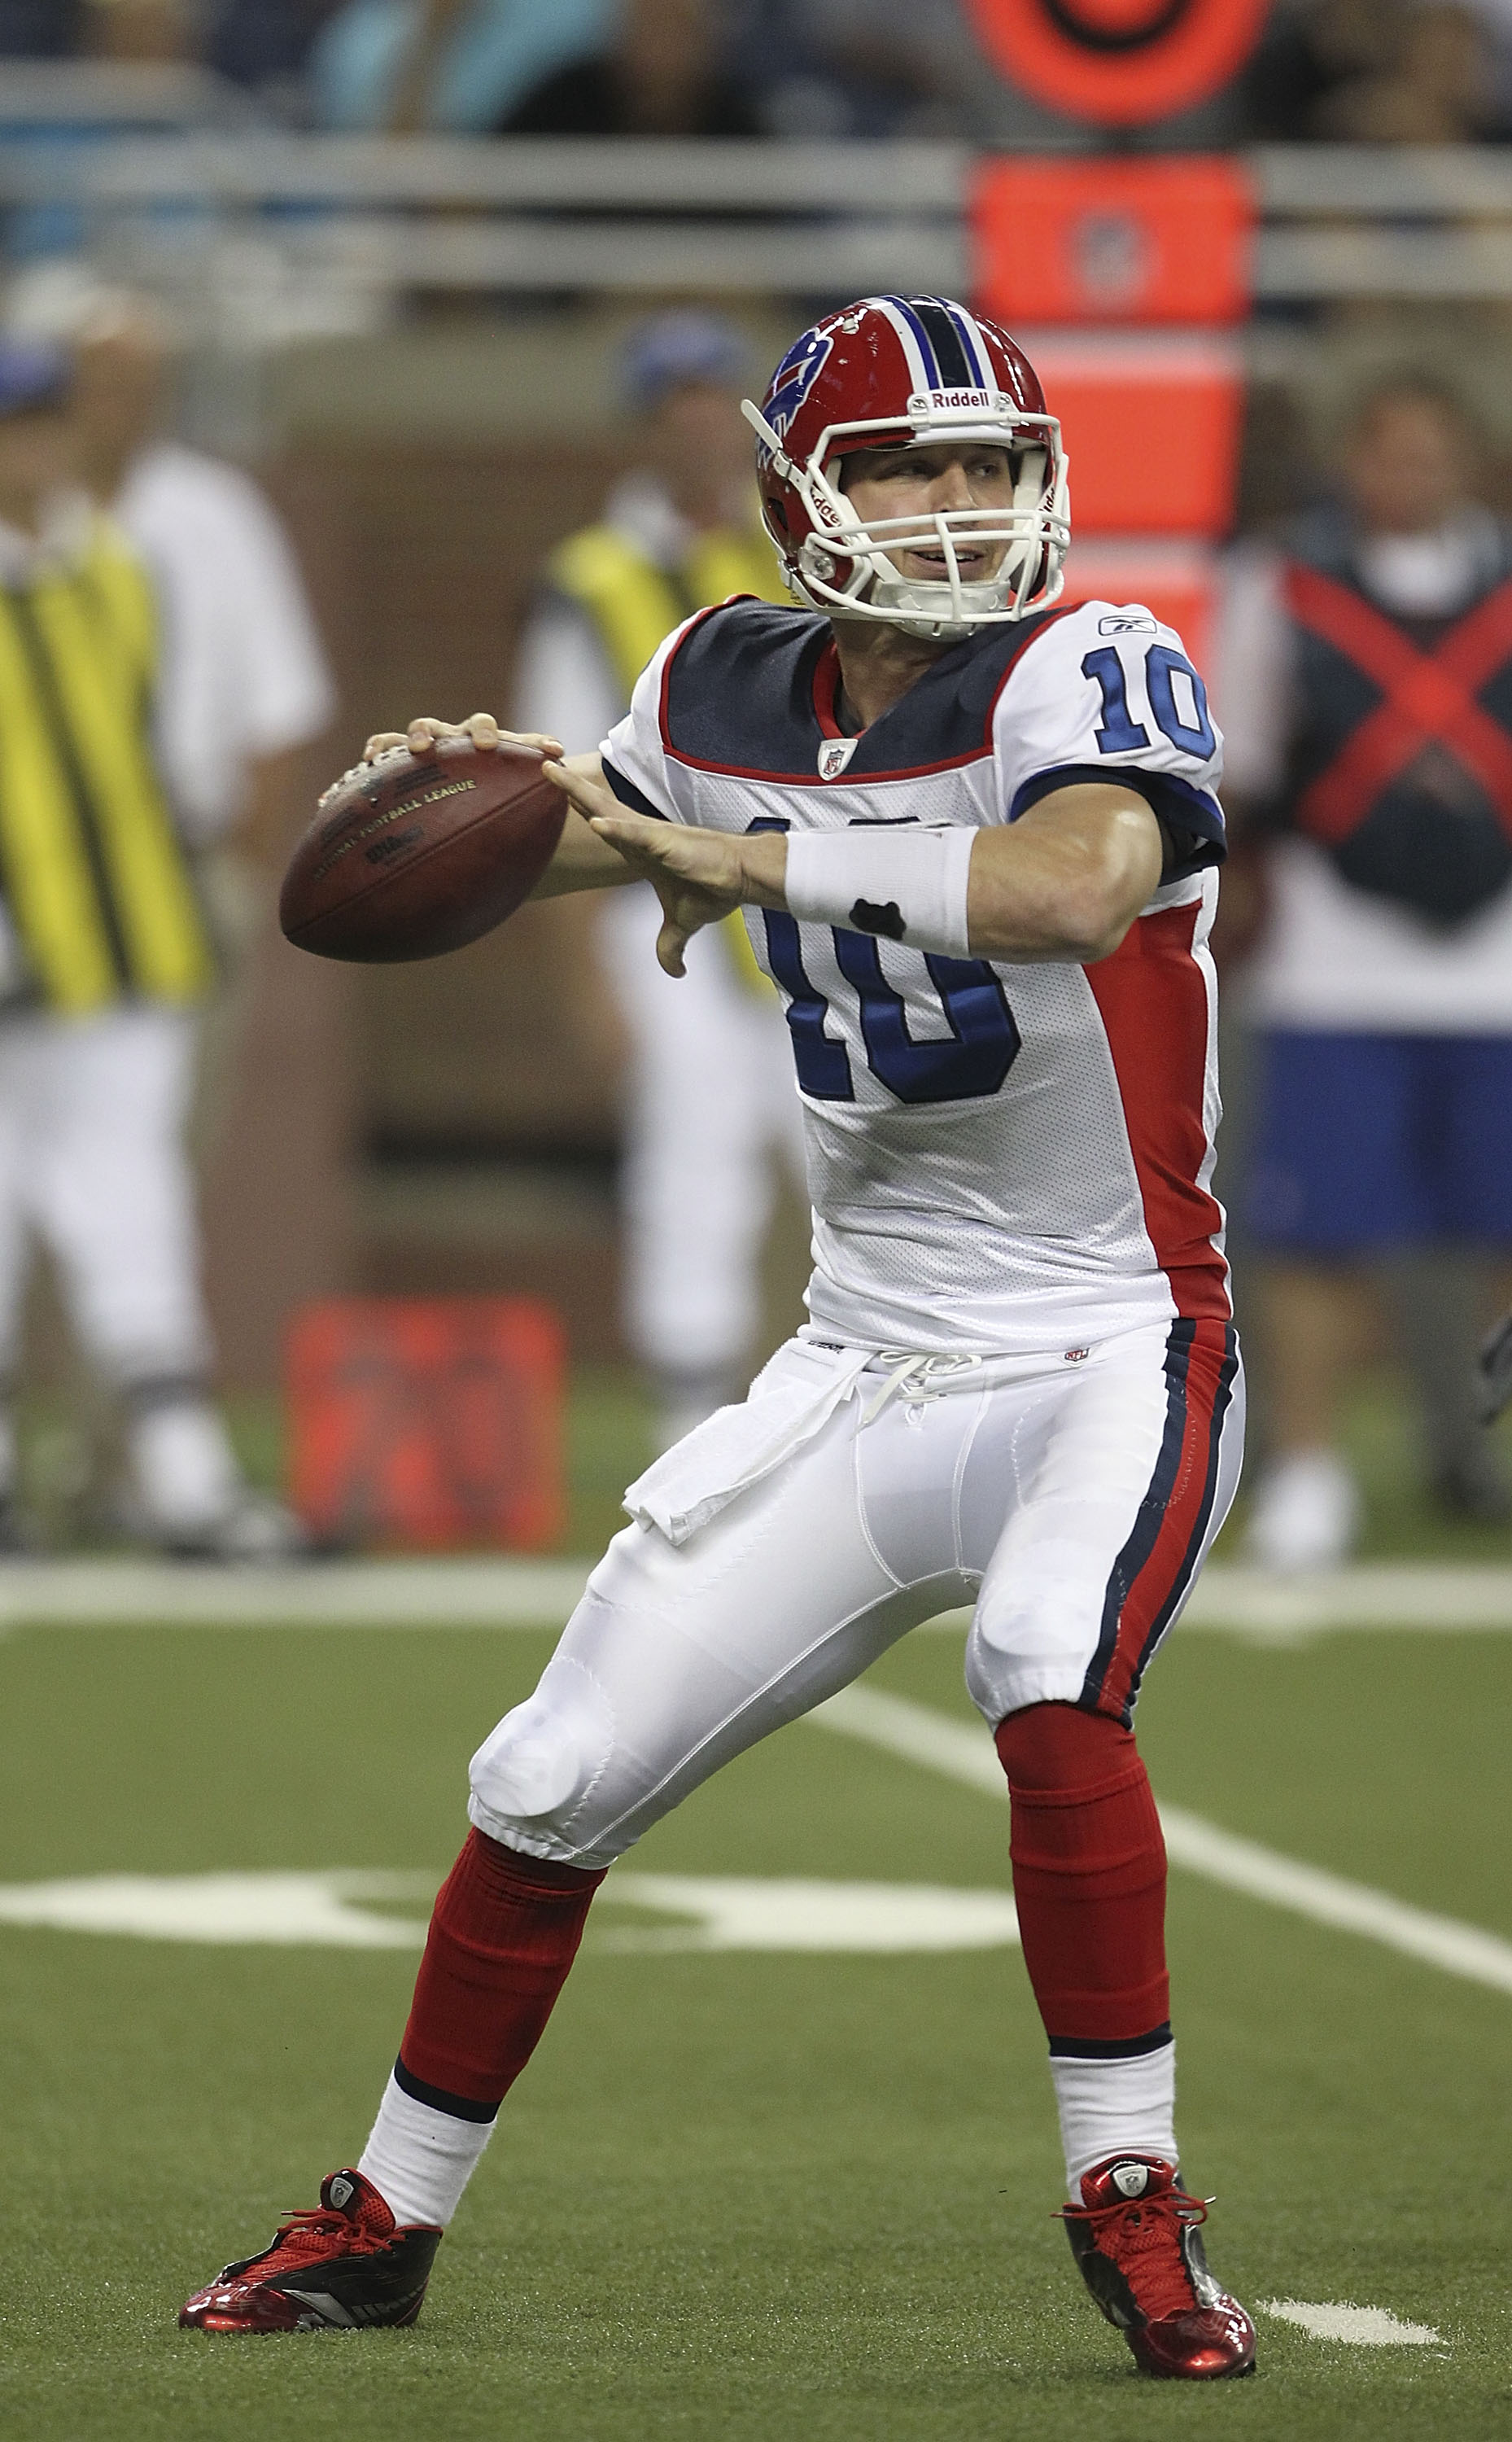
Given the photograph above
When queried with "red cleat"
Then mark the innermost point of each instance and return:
(1135, 2238)
(340, 2268)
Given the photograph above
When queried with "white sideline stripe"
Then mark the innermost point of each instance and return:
(496, 1590)
(926, 1737)
(1373, 1595)
(1448, 1598)
(1368, 2328)
(128, 1592)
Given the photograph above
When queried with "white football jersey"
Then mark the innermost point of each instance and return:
(1001, 1158)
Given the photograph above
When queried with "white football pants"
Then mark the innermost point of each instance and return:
(1071, 1497)
(92, 1162)
(713, 1100)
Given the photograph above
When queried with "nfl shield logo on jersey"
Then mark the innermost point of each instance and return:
(835, 754)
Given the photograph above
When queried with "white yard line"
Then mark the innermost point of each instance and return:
(925, 1737)
(1364, 2327)
(497, 1591)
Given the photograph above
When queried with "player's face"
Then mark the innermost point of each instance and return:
(926, 481)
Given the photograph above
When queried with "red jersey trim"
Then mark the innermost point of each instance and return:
(1152, 998)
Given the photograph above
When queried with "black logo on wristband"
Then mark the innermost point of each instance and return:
(869, 917)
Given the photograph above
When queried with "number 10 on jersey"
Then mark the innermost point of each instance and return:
(972, 1060)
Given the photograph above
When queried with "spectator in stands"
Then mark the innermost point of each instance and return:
(264, 44)
(1380, 72)
(239, 685)
(661, 74)
(142, 29)
(1365, 686)
(712, 1099)
(458, 64)
(822, 70)
(40, 29)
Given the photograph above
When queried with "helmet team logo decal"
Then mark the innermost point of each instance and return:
(795, 377)
(835, 754)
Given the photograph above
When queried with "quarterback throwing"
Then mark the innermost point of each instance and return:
(975, 833)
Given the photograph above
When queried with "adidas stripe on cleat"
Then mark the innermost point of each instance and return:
(343, 2268)
(1136, 2239)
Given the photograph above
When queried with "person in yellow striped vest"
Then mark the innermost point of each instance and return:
(105, 958)
(712, 1106)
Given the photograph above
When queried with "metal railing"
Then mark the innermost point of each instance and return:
(375, 219)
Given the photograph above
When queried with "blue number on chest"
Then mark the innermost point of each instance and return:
(982, 1045)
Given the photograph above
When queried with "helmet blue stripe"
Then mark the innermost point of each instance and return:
(926, 347)
(969, 335)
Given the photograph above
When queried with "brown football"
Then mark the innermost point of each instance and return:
(408, 857)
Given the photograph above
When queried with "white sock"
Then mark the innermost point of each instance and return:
(1115, 2106)
(420, 2159)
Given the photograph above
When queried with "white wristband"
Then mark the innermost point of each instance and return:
(907, 884)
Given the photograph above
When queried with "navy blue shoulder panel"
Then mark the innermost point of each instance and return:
(737, 697)
(738, 692)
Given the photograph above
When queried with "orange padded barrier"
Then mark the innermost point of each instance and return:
(427, 1423)
(1164, 241)
(1119, 62)
(1151, 425)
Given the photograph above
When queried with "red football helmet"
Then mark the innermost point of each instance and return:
(884, 373)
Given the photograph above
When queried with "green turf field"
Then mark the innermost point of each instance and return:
(763, 2195)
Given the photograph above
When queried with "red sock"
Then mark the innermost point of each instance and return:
(504, 1933)
(1088, 1875)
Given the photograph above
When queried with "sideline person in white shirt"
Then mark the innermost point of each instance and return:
(1351, 987)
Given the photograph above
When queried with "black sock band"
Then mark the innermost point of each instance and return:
(457, 2107)
(1119, 2048)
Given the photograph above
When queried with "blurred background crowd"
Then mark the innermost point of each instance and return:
(1341, 71)
(339, 434)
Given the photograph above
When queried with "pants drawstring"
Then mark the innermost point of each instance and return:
(916, 1377)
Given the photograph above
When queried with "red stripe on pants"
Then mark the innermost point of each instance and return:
(1210, 1369)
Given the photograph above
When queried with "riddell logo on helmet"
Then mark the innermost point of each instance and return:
(923, 400)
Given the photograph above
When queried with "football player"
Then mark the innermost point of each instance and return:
(973, 829)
